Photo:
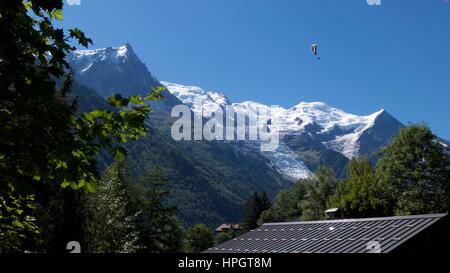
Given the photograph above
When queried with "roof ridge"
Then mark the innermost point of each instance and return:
(423, 216)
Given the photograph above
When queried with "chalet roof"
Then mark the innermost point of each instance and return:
(226, 227)
(333, 236)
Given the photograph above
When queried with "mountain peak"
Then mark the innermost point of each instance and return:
(128, 46)
(104, 54)
(317, 104)
(112, 70)
(121, 51)
(188, 94)
(125, 50)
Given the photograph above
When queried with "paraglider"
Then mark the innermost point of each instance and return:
(314, 49)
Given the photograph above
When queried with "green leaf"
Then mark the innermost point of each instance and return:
(18, 224)
(27, 5)
(81, 183)
(79, 35)
(65, 184)
(118, 101)
(58, 14)
(137, 100)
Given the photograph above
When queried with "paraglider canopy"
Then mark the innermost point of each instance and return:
(314, 48)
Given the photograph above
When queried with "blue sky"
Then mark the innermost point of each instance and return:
(395, 56)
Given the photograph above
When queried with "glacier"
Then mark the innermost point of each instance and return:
(292, 121)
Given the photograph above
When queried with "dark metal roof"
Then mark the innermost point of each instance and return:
(335, 236)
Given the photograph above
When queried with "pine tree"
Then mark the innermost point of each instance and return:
(262, 203)
(254, 207)
(250, 218)
(285, 207)
(158, 227)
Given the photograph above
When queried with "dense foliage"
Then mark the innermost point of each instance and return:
(255, 206)
(359, 195)
(199, 238)
(158, 227)
(44, 147)
(125, 215)
(318, 191)
(110, 222)
(414, 173)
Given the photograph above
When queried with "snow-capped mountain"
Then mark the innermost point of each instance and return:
(295, 120)
(212, 101)
(114, 70)
(110, 70)
(312, 133)
(334, 129)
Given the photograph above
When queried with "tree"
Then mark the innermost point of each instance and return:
(414, 173)
(43, 145)
(318, 191)
(199, 238)
(267, 216)
(23, 226)
(262, 203)
(223, 237)
(60, 215)
(255, 205)
(285, 207)
(287, 204)
(110, 226)
(250, 218)
(306, 200)
(158, 228)
(356, 196)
